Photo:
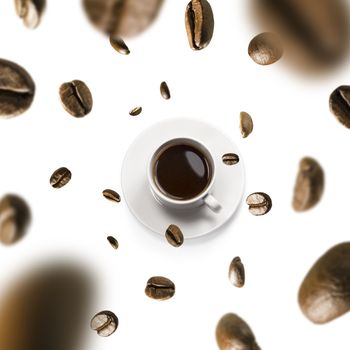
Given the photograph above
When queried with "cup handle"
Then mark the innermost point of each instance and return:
(212, 203)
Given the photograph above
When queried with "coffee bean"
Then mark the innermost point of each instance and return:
(113, 242)
(246, 124)
(16, 89)
(30, 11)
(259, 203)
(324, 293)
(111, 195)
(265, 49)
(160, 288)
(199, 20)
(233, 333)
(174, 236)
(119, 45)
(105, 323)
(60, 177)
(164, 90)
(76, 98)
(339, 103)
(135, 111)
(230, 158)
(237, 273)
(14, 218)
(122, 18)
(309, 185)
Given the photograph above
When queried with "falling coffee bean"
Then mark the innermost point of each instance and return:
(259, 203)
(76, 98)
(230, 158)
(14, 218)
(119, 45)
(309, 185)
(265, 49)
(135, 111)
(60, 177)
(164, 90)
(237, 273)
(111, 195)
(233, 333)
(199, 20)
(246, 124)
(30, 11)
(339, 103)
(174, 236)
(324, 293)
(16, 89)
(160, 288)
(105, 323)
(113, 242)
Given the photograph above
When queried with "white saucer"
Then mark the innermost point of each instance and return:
(228, 187)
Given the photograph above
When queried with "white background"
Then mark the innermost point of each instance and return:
(291, 120)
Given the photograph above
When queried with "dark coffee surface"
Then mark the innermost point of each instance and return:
(182, 172)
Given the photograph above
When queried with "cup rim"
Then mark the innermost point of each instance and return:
(160, 196)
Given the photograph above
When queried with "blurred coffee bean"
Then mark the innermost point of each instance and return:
(164, 90)
(199, 21)
(237, 273)
(230, 158)
(339, 103)
(309, 185)
(30, 11)
(119, 45)
(265, 49)
(16, 89)
(60, 177)
(325, 292)
(46, 309)
(113, 242)
(111, 195)
(259, 203)
(122, 18)
(105, 323)
(76, 98)
(160, 288)
(246, 124)
(14, 218)
(233, 333)
(315, 33)
(135, 111)
(174, 236)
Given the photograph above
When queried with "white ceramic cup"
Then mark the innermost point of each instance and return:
(205, 197)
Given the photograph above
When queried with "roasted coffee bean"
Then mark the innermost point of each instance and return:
(246, 124)
(315, 33)
(259, 203)
(105, 323)
(60, 177)
(339, 104)
(174, 236)
(309, 185)
(111, 195)
(113, 242)
(122, 18)
(236, 272)
(135, 111)
(14, 218)
(16, 89)
(160, 288)
(233, 333)
(76, 98)
(199, 20)
(164, 90)
(324, 294)
(119, 45)
(265, 49)
(30, 11)
(230, 158)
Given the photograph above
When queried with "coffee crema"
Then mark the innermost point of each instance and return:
(181, 171)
